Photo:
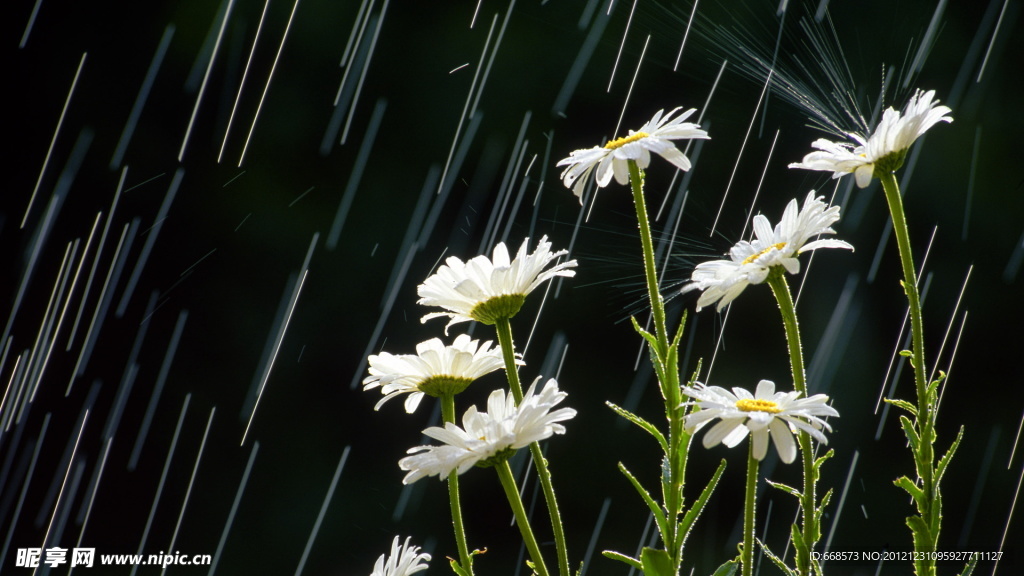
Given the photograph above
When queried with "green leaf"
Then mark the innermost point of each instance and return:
(911, 433)
(798, 543)
(698, 506)
(456, 568)
(728, 569)
(779, 562)
(656, 562)
(623, 558)
(650, 428)
(907, 484)
(903, 404)
(922, 535)
(785, 488)
(679, 331)
(944, 461)
(971, 564)
(821, 509)
(651, 338)
(821, 460)
(659, 514)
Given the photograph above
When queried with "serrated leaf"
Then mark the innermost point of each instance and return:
(623, 558)
(971, 564)
(779, 562)
(729, 568)
(922, 535)
(821, 509)
(659, 514)
(904, 405)
(695, 511)
(786, 488)
(798, 543)
(911, 433)
(907, 484)
(643, 424)
(456, 568)
(944, 461)
(656, 563)
(823, 458)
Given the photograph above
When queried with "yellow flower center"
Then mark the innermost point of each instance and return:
(620, 142)
(758, 405)
(751, 258)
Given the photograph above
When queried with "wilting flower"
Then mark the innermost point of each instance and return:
(404, 560)
(486, 438)
(435, 369)
(612, 158)
(763, 413)
(886, 149)
(723, 280)
(487, 290)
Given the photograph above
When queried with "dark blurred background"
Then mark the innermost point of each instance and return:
(214, 255)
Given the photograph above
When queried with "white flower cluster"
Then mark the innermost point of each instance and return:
(893, 136)
(471, 290)
(763, 413)
(749, 262)
(435, 368)
(403, 560)
(613, 158)
(484, 436)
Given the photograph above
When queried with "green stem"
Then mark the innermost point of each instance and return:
(925, 456)
(504, 329)
(748, 513)
(636, 180)
(670, 386)
(808, 499)
(509, 484)
(465, 558)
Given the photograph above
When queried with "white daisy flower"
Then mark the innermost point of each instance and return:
(435, 369)
(611, 159)
(488, 289)
(486, 438)
(763, 413)
(723, 280)
(402, 561)
(885, 150)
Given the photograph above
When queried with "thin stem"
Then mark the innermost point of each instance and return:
(504, 329)
(925, 455)
(748, 513)
(670, 381)
(465, 558)
(808, 500)
(636, 180)
(899, 225)
(509, 484)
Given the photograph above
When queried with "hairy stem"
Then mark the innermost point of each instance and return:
(925, 423)
(749, 520)
(504, 329)
(465, 558)
(669, 375)
(808, 500)
(509, 484)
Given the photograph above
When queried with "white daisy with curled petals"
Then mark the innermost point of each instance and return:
(488, 289)
(882, 152)
(487, 438)
(403, 560)
(722, 281)
(435, 369)
(612, 158)
(761, 414)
